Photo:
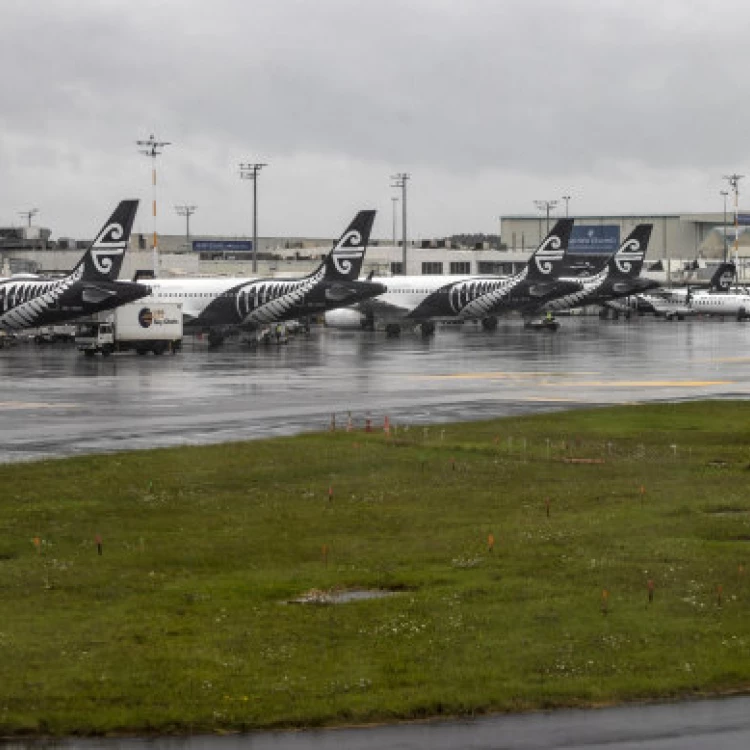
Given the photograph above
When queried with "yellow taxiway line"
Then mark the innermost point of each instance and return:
(578, 383)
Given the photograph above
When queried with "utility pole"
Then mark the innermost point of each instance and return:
(566, 198)
(153, 148)
(187, 212)
(29, 215)
(725, 193)
(734, 184)
(546, 206)
(401, 180)
(249, 171)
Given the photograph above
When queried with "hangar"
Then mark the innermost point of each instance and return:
(675, 236)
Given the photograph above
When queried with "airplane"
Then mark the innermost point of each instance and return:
(618, 278)
(677, 302)
(216, 305)
(30, 300)
(425, 299)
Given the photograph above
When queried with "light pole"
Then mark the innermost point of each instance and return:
(734, 184)
(187, 212)
(394, 199)
(153, 148)
(401, 179)
(725, 193)
(546, 206)
(29, 215)
(566, 198)
(249, 171)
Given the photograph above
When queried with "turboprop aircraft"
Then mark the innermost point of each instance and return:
(29, 300)
(620, 276)
(424, 300)
(215, 305)
(677, 302)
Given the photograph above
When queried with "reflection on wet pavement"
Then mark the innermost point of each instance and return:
(56, 402)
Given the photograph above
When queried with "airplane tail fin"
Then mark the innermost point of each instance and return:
(723, 277)
(344, 262)
(628, 260)
(547, 260)
(103, 260)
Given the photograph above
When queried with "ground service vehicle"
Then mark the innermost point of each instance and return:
(135, 327)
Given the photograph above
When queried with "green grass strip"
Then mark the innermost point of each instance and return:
(569, 559)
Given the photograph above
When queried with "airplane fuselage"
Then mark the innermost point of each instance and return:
(254, 302)
(28, 301)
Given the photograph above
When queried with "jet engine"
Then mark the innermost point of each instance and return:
(345, 317)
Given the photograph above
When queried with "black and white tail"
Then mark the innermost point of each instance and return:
(628, 259)
(723, 277)
(344, 262)
(547, 260)
(103, 259)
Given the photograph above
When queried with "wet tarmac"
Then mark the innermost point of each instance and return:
(55, 402)
(696, 725)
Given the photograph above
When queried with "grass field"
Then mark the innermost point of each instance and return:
(183, 623)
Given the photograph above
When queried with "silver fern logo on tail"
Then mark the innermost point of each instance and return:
(725, 280)
(349, 248)
(109, 244)
(549, 253)
(630, 252)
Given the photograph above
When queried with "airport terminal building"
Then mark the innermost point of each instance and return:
(677, 242)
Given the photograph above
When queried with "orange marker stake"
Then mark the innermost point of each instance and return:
(546, 504)
(719, 592)
(38, 544)
(99, 544)
(605, 601)
(650, 585)
(330, 493)
(490, 542)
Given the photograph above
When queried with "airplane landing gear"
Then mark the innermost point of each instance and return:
(428, 329)
(489, 324)
(215, 339)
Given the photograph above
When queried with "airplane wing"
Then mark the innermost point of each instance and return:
(94, 295)
(381, 309)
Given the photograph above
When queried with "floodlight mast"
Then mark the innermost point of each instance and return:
(725, 193)
(566, 198)
(153, 148)
(29, 215)
(734, 184)
(187, 212)
(249, 171)
(546, 206)
(394, 199)
(401, 179)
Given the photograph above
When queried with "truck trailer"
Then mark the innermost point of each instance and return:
(135, 327)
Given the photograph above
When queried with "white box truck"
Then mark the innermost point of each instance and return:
(135, 327)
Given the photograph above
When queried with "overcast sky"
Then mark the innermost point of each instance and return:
(628, 107)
